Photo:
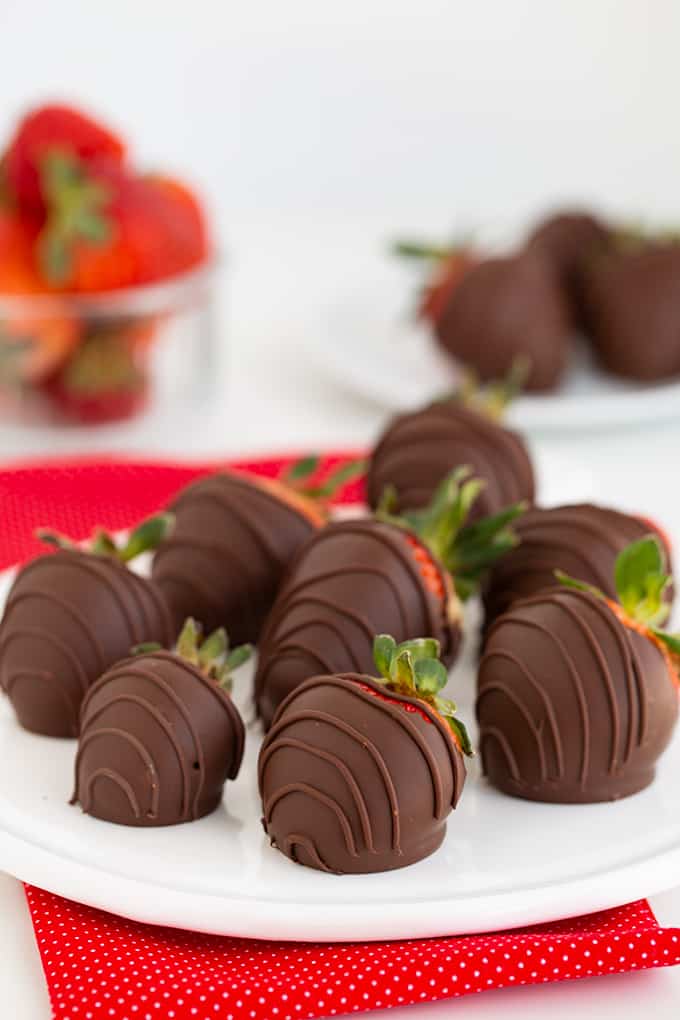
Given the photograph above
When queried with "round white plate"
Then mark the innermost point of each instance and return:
(370, 343)
(504, 862)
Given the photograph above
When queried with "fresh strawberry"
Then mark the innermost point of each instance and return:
(49, 129)
(107, 228)
(33, 341)
(641, 583)
(104, 380)
(18, 271)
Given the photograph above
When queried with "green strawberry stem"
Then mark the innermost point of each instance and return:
(146, 537)
(212, 654)
(467, 551)
(494, 398)
(428, 252)
(76, 212)
(413, 668)
(298, 475)
(641, 583)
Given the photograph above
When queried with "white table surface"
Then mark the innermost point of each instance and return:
(274, 397)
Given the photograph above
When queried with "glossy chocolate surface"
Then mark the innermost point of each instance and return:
(632, 299)
(582, 540)
(355, 779)
(507, 307)
(158, 741)
(223, 563)
(573, 706)
(353, 580)
(418, 450)
(68, 617)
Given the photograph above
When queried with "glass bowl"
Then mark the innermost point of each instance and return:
(90, 358)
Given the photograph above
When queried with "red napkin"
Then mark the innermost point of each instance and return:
(102, 967)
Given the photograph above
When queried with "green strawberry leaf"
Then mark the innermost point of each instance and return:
(302, 468)
(641, 580)
(672, 641)
(430, 676)
(146, 648)
(384, 649)
(147, 536)
(421, 648)
(403, 673)
(238, 656)
(572, 582)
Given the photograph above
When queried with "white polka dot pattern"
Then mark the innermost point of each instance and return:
(102, 967)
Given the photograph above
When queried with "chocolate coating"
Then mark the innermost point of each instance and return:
(569, 239)
(231, 544)
(573, 706)
(632, 304)
(354, 783)
(353, 580)
(158, 741)
(582, 540)
(68, 617)
(418, 450)
(506, 307)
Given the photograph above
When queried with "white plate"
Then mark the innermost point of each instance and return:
(504, 862)
(370, 343)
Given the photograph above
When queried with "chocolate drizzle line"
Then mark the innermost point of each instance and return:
(127, 683)
(633, 677)
(300, 726)
(307, 594)
(417, 451)
(232, 562)
(68, 617)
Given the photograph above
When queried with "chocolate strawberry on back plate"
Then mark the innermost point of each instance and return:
(632, 301)
(508, 308)
(570, 238)
(355, 579)
(359, 774)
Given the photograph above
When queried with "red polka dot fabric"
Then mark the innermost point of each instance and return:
(101, 967)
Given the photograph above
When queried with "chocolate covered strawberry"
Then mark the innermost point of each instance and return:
(234, 538)
(419, 448)
(631, 301)
(577, 694)
(359, 773)
(159, 733)
(506, 308)
(570, 239)
(405, 576)
(69, 616)
(447, 266)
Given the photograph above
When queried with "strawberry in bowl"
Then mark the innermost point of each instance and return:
(99, 264)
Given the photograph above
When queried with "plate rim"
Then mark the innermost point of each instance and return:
(252, 917)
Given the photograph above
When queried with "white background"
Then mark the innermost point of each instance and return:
(317, 130)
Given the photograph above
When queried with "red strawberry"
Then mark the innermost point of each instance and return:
(48, 129)
(108, 229)
(104, 380)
